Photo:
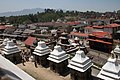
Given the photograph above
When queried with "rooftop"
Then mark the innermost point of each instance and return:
(79, 34)
(2, 27)
(101, 34)
(112, 25)
(29, 41)
(101, 41)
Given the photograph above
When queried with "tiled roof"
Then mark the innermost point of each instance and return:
(73, 23)
(101, 34)
(2, 27)
(9, 30)
(79, 34)
(112, 25)
(29, 41)
(88, 27)
(28, 31)
(98, 27)
(101, 41)
(50, 24)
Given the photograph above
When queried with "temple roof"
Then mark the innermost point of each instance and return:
(80, 62)
(41, 49)
(111, 70)
(57, 55)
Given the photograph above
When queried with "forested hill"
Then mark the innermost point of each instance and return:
(22, 12)
(49, 15)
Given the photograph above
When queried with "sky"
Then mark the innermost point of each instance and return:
(80, 5)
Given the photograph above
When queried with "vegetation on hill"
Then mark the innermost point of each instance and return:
(53, 15)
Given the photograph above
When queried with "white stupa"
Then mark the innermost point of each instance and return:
(110, 71)
(57, 55)
(10, 48)
(5, 42)
(76, 42)
(74, 30)
(80, 62)
(44, 31)
(41, 49)
(117, 51)
(76, 38)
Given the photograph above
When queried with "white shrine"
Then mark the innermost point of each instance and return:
(12, 52)
(117, 51)
(4, 42)
(80, 66)
(111, 70)
(58, 60)
(41, 53)
(74, 30)
(76, 42)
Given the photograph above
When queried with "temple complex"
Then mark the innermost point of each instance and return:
(41, 53)
(58, 60)
(80, 67)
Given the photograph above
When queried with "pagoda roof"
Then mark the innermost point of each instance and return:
(58, 55)
(80, 62)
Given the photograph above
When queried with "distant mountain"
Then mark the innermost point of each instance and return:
(22, 12)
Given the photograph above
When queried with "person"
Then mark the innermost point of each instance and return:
(22, 56)
(35, 63)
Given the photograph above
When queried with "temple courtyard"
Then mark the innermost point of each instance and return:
(41, 73)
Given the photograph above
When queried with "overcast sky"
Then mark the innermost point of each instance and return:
(80, 5)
